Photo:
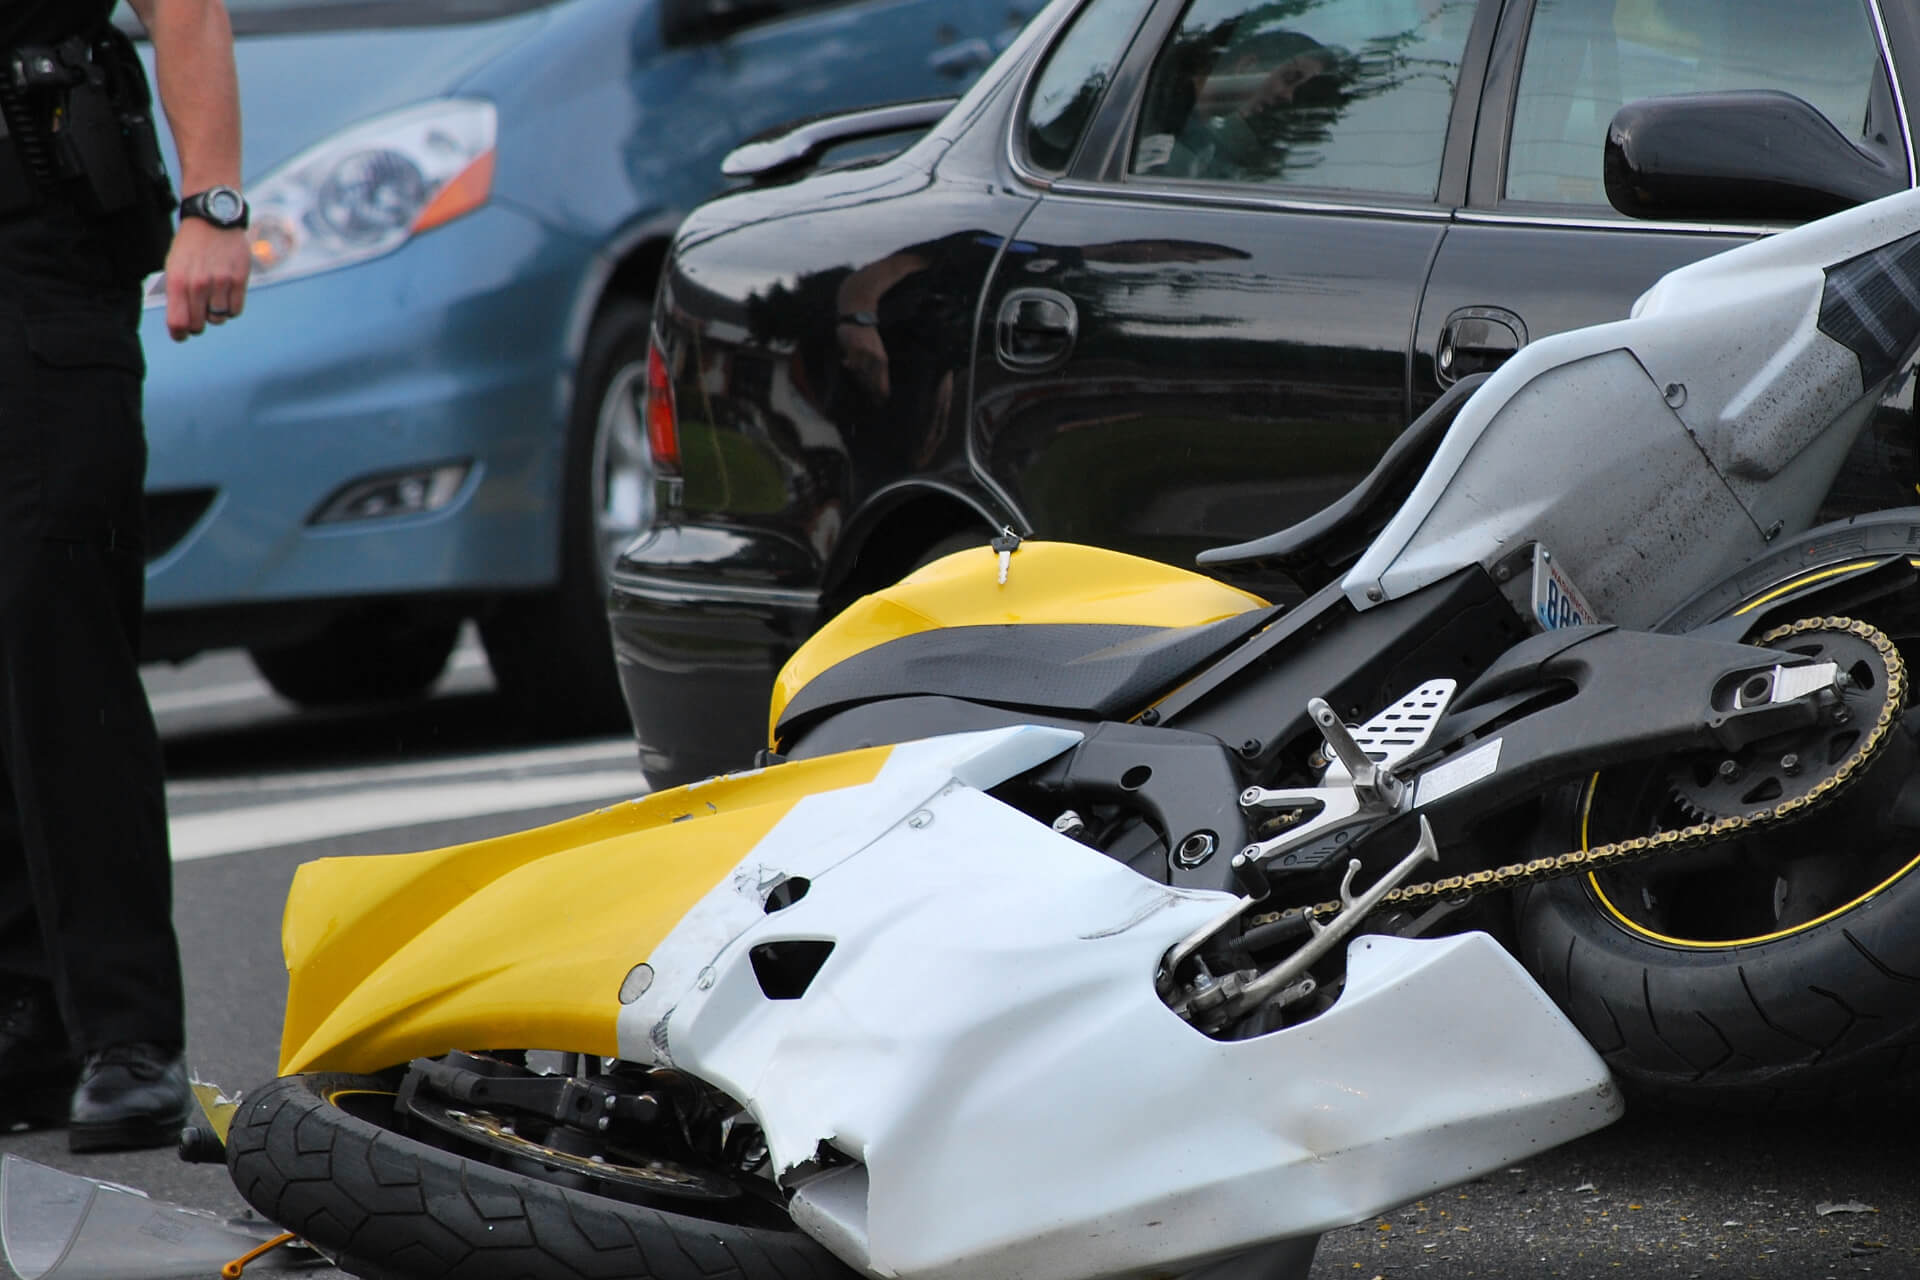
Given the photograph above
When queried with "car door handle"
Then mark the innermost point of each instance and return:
(960, 59)
(1475, 340)
(1036, 330)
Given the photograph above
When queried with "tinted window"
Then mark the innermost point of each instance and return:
(1348, 94)
(1069, 87)
(1585, 58)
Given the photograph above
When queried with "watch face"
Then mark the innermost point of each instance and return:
(224, 204)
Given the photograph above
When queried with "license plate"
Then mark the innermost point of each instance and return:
(1556, 601)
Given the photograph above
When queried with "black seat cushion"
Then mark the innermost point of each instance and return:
(1106, 672)
(1318, 549)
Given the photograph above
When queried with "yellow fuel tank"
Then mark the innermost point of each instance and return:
(1047, 582)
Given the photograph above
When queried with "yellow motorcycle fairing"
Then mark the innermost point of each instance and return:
(1047, 582)
(522, 941)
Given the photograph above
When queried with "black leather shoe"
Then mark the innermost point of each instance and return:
(130, 1095)
(37, 1067)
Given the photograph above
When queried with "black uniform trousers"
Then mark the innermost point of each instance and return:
(85, 873)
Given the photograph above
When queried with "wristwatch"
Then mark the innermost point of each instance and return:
(222, 206)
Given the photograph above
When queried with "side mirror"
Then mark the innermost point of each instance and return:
(1745, 156)
(692, 21)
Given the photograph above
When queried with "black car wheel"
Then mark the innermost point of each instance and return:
(1776, 969)
(370, 655)
(324, 1156)
(550, 652)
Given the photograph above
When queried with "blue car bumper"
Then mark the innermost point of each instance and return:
(451, 349)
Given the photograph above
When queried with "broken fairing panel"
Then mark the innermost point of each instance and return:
(1718, 457)
(986, 1008)
(62, 1226)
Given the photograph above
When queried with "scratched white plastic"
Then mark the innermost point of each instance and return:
(1658, 452)
(986, 1042)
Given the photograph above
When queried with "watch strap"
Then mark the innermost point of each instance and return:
(197, 206)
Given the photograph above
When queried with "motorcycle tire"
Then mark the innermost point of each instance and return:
(1818, 1014)
(1818, 1017)
(388, 1207)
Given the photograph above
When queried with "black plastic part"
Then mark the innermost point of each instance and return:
(1359, 662)
(1182, 783)
(1317, 548)
(1869, 307)
(1616, 697)
(891, 720)
(1736, 156)
(1090, 671)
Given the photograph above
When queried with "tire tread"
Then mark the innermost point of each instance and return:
(389, 1209)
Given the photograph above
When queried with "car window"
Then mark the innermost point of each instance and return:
(1584, 59)
(1070, 85)
(1346, 94)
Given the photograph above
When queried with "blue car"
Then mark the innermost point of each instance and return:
(431, 411)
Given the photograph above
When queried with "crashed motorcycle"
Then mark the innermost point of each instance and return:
(1090, 917)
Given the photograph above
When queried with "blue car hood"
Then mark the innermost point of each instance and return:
(298, 89)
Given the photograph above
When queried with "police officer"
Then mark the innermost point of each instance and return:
(91, 1020)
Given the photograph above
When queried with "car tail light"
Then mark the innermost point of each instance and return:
(663, 431)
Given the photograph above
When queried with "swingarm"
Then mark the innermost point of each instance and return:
(1557, 706)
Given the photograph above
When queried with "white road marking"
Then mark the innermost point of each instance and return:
(214, 695)
(615, 749)
(267, 826)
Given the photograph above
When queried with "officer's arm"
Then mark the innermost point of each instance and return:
(193, 61)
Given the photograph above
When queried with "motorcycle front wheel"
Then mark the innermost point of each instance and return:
(322, 1156)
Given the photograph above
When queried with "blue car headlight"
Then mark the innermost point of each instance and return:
(368, 189)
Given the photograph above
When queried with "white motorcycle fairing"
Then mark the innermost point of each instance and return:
(1653, 454)
(983, 1047)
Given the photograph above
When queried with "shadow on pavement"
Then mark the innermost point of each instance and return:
(390, 733)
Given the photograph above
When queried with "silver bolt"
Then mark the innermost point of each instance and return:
(1729, 770)
(604, 1123)
(1376, 595)
(1195, 849)
(1676, 394)
(1790, 763)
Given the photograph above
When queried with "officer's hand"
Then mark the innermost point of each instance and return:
(207, 271)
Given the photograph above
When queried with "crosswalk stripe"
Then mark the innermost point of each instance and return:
(268, 826)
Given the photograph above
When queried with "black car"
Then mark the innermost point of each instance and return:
(1174, 274)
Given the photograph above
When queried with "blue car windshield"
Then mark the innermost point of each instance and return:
(269, 17)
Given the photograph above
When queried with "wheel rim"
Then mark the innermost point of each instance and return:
(1770, 884)
(622, 465)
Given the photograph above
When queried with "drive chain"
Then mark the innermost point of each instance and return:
(1455, 889)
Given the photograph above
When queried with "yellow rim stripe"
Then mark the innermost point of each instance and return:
(1593, 784)
(1797, 583)
(1695, 944)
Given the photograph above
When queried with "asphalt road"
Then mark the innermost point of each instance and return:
(257, 788)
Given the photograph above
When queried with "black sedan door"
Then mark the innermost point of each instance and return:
(1537, 249)
(1202, 331)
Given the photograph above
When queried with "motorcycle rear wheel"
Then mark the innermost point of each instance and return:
(1677, 975)
(315, 1154)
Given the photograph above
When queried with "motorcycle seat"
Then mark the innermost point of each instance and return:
(1098, 671)
(1317, 549)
